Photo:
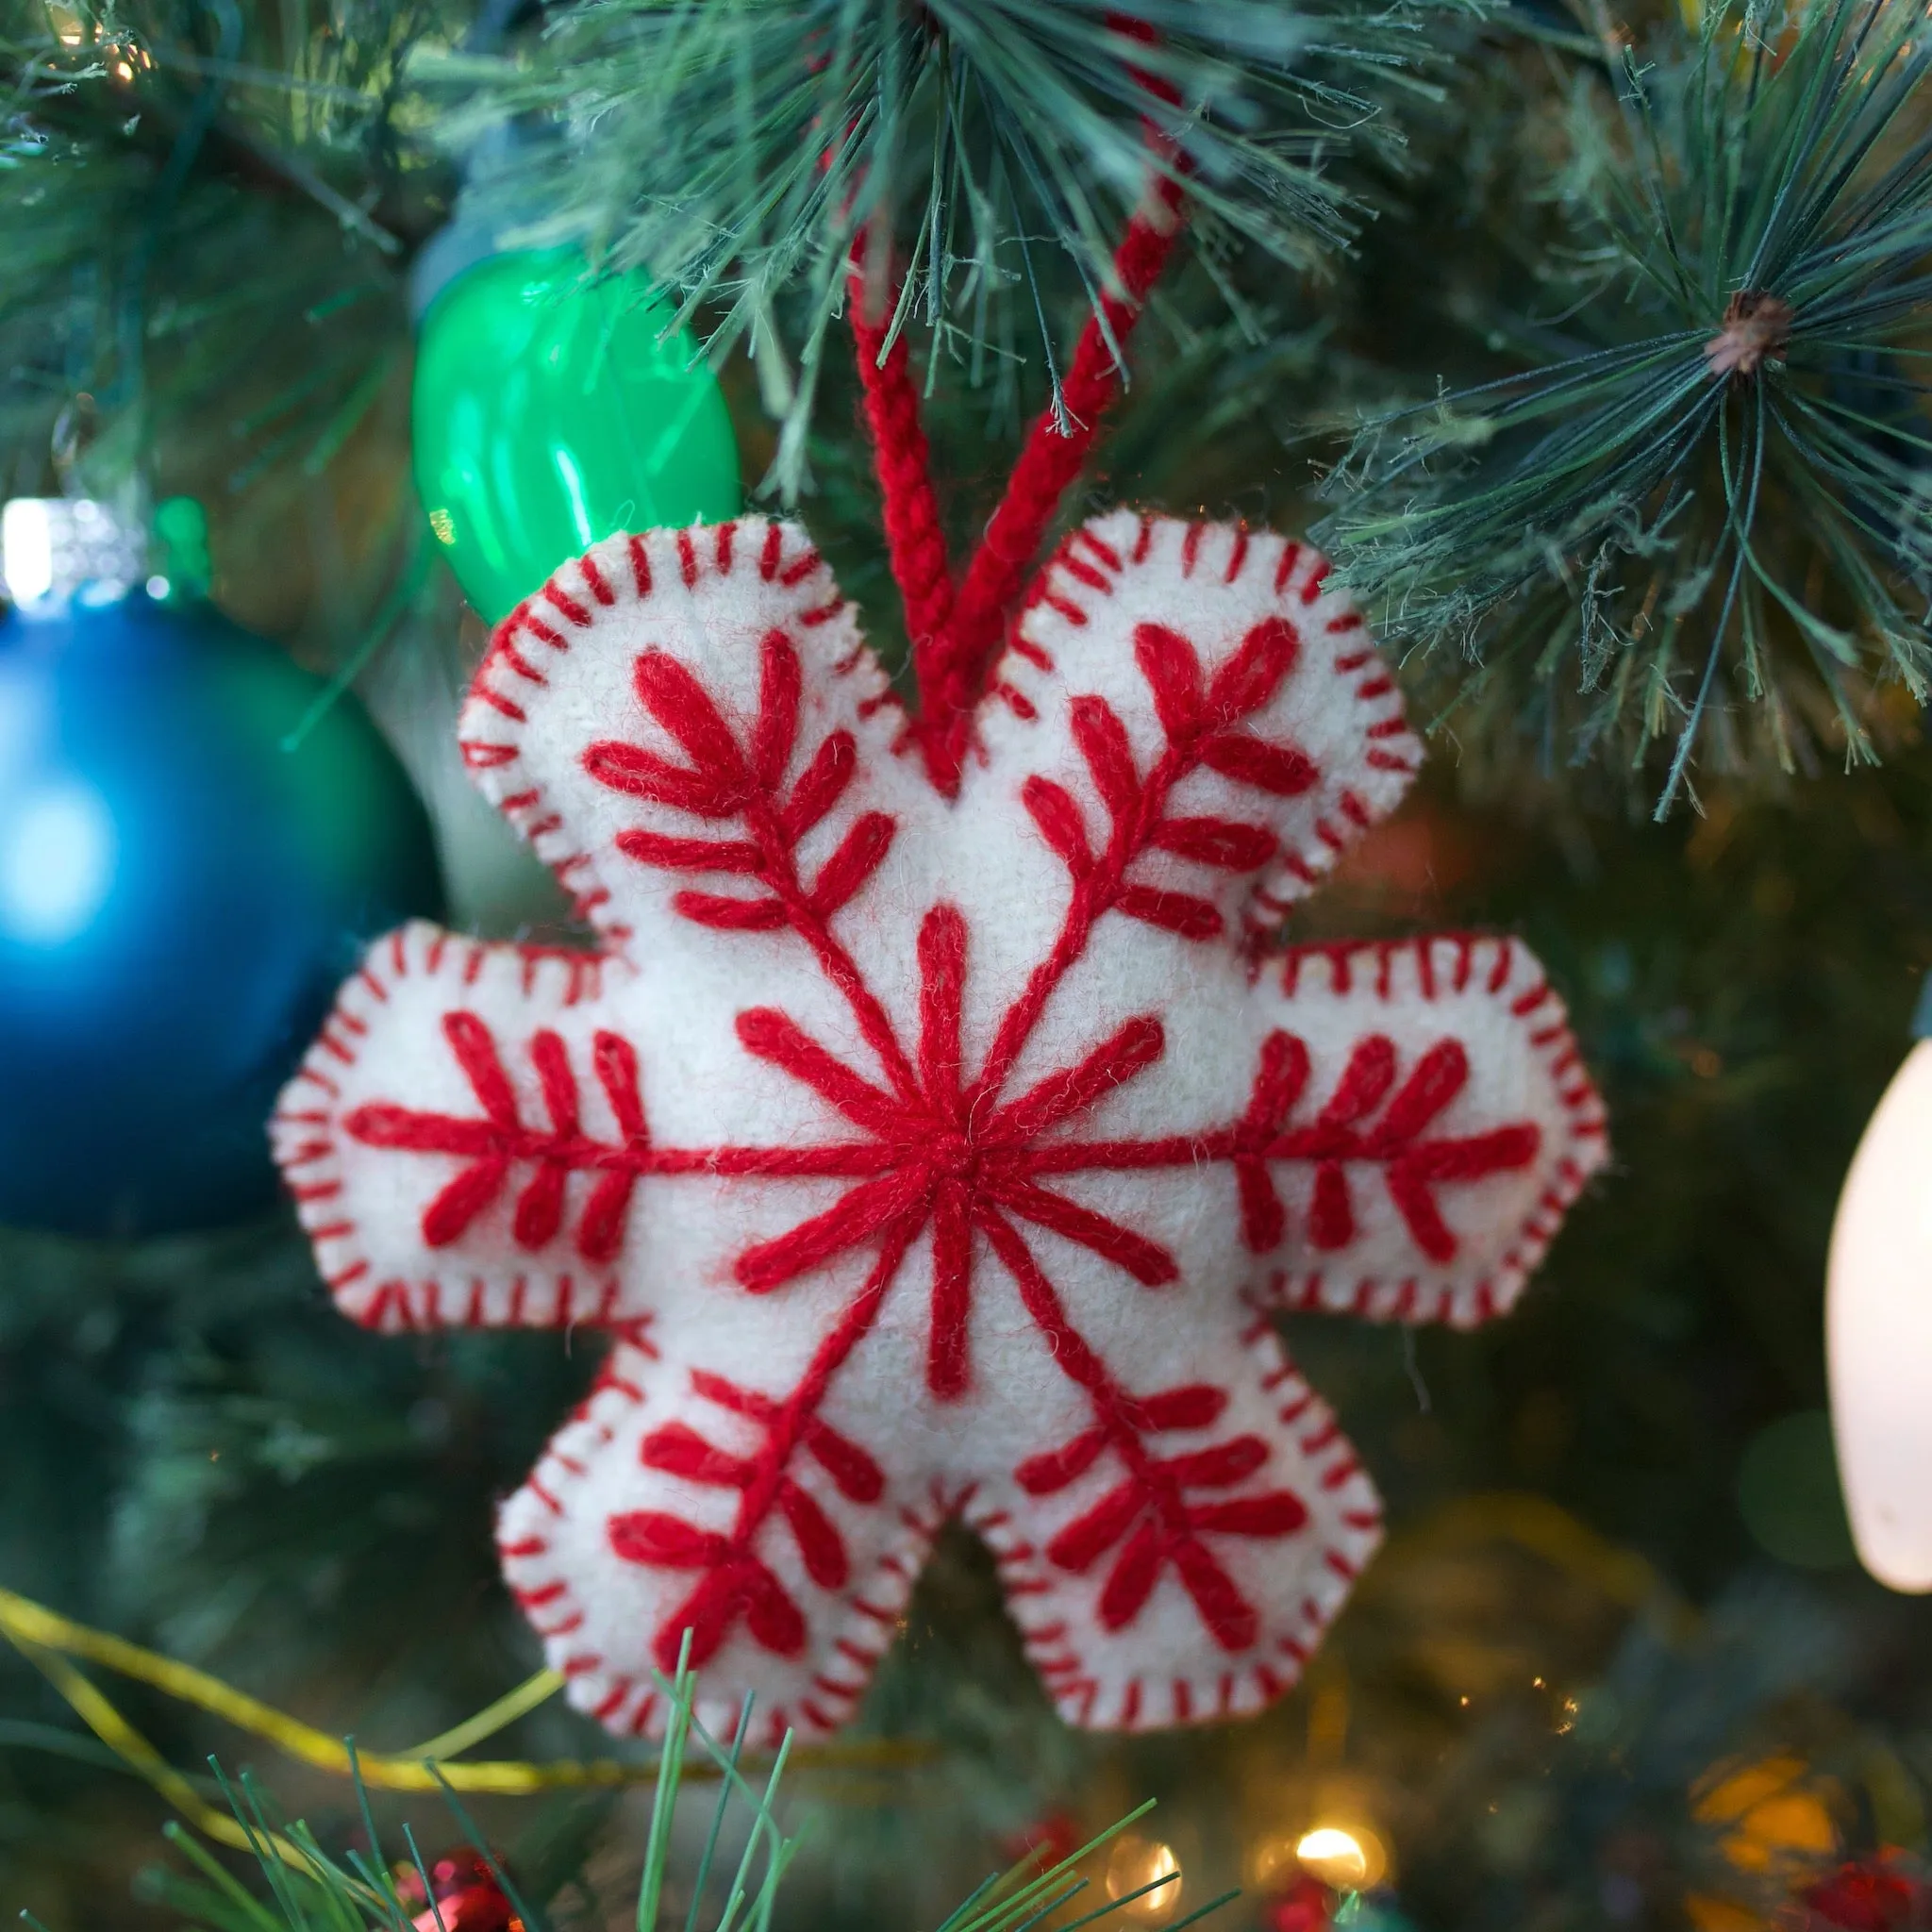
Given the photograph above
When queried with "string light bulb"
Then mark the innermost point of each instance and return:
(1144, 1875)
(1345, 1857)
(1878, 1327)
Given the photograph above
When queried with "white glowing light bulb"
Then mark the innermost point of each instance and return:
(26, 544)
(1878, 1327)
(53, 549)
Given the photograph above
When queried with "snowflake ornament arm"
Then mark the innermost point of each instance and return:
(934, 1126)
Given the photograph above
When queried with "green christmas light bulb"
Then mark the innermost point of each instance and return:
(548, 415)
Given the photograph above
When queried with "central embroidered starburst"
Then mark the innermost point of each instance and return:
(954, 1160)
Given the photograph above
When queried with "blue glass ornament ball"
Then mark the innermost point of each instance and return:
(182, 887)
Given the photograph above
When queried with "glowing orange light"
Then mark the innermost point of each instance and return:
(1137, 1863)
(1345, 1857)
(1772, 1819)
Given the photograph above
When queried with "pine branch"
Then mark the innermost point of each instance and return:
(362, 1892)
(738, 146)
(1716, 488)
(191, 198)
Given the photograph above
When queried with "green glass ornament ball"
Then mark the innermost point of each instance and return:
(547, 415)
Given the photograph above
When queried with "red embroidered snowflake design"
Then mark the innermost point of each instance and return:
(931, 1155)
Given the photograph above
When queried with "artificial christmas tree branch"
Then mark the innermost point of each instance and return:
(1718, 494)
(738, 149)
(360, 1891)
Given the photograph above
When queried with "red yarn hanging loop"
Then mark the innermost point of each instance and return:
(915, 540)
(955, 631)
(1054, 452)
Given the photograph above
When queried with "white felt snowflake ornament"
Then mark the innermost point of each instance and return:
(935, 1150)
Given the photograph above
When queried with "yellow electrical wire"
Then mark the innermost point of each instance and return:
(114, 1731)
(50, 1641)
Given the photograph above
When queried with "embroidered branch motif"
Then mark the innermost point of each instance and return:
(732, 1580)
(726, 783)
(1151, 1518)
(497, 1142)
(1203, 729)
(951, 1156)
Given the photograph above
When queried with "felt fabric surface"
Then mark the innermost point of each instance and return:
(936, 1156)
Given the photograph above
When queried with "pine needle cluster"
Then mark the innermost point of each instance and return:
(733, 1886)
(738, 148)
(208, 208)
(1695, 519)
